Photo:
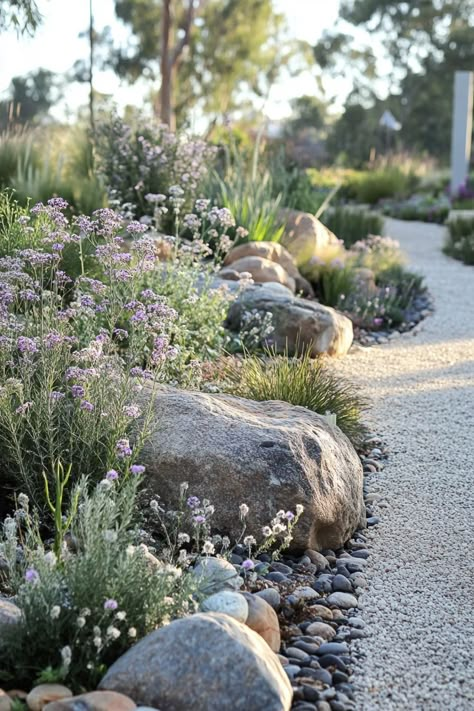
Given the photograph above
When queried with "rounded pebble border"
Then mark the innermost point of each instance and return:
(317, 599)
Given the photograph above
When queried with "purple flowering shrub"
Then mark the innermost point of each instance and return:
(369, 283)
(83, 608)
(149, 159)
(377, 253)
(68, 385)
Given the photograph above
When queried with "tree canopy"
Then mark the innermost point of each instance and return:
(20, 14)
(233, 47)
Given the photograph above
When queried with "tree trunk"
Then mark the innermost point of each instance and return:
(165, 65)
(170, 57)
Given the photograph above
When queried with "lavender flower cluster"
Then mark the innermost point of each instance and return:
(148, 160)
(66, 374)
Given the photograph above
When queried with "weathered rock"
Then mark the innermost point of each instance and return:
(206, 661)
(42, 694)
(305, 236)
(263, 620)
(275, 252)
(296, 321)
(343, 599)
(9, 612)
(321, 611)
(216, 574)
(317, 559)
(271, 455)
(321, 629)
(271, 596)
(94, 701)
(5, 701)
(229, 603)
(262, 270)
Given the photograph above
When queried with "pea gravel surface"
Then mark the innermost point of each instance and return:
(419, 608)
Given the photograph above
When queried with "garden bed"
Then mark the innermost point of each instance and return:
(122, 411)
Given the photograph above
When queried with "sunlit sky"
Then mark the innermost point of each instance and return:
(57, 45)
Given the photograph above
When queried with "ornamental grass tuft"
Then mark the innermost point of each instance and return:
(303, 381)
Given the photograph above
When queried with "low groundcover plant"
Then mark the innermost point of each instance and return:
(83, 607)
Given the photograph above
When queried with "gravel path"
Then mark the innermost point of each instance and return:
(420, 606)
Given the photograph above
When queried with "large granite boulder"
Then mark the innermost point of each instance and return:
(261, 269)
(296, 321)
(274, 252)
(269, 455)
(305, 236)
(208, 662)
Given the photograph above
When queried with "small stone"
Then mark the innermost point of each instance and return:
(295, 653)
(333, 648)
(321, 629)
(329, 694)
(310, 693)
(283, 660)
(317, 559)
(281, 568)
(356, 622)
(337, 614)
(17, 694)
(339, 677)
(321, 611)
(5, 701)
(94, 701)
(341, 584)
(373, 521)
(306, 593)
(323, 586)
(331, 660)
(323, 676)
(359, 580)
(291, 670)
(361, 554)
(263, 619)
(323, 706)
(354, 565)
(357, 634)
(217, 574)
(229, 603)
(42, 694)
(277, 577)
(271, 596)
(308, 647)
(342, 599)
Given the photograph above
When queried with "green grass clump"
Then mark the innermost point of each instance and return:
(301, 381)
(460, 241)
(382, 183)
(352, 224)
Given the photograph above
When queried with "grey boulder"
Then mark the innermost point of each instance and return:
(268, 455)
(208, 662)
(297, 322)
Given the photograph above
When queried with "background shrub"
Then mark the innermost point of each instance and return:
(352, 224)
(460, 240)
(136, 161)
